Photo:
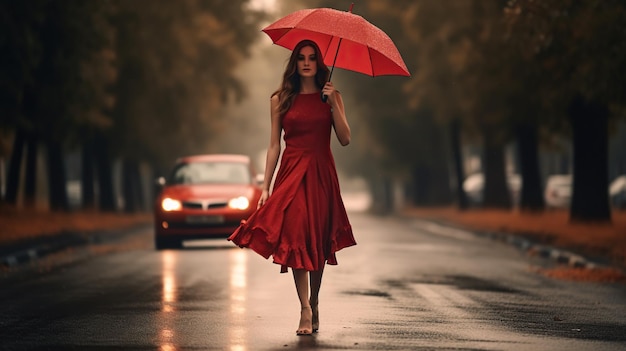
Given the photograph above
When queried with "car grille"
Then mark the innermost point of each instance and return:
(192, 205)
(182, 225)
(203, 205)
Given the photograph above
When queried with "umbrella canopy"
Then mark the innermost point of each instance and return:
(346, 40)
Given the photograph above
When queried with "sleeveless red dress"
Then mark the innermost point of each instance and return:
(304, 222)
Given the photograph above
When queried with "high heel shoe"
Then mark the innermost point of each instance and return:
(305, 327)
(315, 320)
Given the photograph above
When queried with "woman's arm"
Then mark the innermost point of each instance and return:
(340, 122)
(273, 151)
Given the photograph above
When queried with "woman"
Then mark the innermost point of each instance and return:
(304, 222)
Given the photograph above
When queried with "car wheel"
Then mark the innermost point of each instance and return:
(167, 243)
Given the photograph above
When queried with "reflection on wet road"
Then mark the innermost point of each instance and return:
(166, 334)
(237, 302)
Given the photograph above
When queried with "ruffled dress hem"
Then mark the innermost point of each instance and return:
(294, 258)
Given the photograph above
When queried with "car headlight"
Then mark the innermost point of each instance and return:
(239, 203)
(171, 205)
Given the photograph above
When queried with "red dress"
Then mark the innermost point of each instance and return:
(304, 222)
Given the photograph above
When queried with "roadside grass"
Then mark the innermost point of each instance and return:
(20, 224)
(552, 227)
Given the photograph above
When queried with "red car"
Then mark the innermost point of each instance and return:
(205, 196)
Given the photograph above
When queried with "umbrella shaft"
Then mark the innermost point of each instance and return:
(335, 59)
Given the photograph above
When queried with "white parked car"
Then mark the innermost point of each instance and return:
(473, 187)
(475, 183)
(558, 191)
(617, 192)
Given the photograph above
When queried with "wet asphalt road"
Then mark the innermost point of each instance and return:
(407, 285)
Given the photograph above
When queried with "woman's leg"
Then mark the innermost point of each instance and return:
(316, 284)
(301, 278)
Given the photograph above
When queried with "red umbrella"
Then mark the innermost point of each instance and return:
(346, 40)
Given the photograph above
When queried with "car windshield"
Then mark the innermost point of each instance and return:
(210, 173)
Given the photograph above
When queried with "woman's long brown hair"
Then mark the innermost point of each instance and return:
(290, 86)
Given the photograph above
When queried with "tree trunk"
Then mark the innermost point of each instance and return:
(57, 181)
(387, 195)
(131, 186)
(382, 194)
(15, 167)
(87, 176)
(157, 170)
(139, 190)
(440, 193)
(104, 169)
(421, 180)
(495, 191)
(30, 179)
(590, 199)
(430, 173)
(430, 185)
(455, 140)
(531, 196)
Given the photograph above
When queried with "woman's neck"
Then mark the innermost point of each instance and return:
(308, 86)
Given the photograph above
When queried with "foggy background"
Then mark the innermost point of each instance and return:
(99, 99)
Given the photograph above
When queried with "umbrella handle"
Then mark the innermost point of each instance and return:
(325, 97)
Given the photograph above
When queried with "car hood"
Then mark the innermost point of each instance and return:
(207, 191)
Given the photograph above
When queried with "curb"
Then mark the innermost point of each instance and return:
(544, 251)
(30, 250)
(558, 255)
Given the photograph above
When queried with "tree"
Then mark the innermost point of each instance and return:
(120, 79)
(176, 65)
(580, 48)
(21, 49)
(458, 77)
(47, 94)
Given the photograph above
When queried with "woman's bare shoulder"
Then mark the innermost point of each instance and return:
(275, 100)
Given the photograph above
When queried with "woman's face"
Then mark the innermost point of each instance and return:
(307, 62)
